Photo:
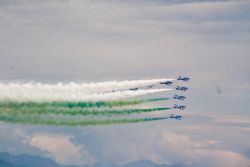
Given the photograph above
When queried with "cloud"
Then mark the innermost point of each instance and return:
(189, 143)
(218, 158)
(75, 40)
(199, 154)
(60, 148)
(11, 139)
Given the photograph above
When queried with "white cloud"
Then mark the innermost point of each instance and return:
(218, 158)
(194, 153)
(60, 148)
(168, 147)
(183, 141)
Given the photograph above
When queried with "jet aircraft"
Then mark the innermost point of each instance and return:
(181, 88)
(185, 79)
(166, 83)
(134, 89)
(179, 107)
(179, 97)
(177, 117)
(151, 86)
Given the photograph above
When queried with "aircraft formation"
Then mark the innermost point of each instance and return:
(84, 104)
(176, 97)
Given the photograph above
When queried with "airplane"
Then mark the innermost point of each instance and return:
(179, 97)
(151, 86)
(134, 89)
(179, 107)
(185, 79)
(177, 117)
(167, 83)
(181, 88)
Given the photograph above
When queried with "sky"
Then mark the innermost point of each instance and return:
(93, 40)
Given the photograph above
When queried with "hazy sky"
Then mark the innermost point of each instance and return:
(51, 41)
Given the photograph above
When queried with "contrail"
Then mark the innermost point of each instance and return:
(80, 104)
(58, 122)
(74, 111)
(23, 94)
(83, 88)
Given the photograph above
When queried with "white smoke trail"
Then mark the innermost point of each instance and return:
(24, 95)
(83, 88)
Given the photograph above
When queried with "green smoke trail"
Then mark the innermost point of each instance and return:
(74, 111)
(34, 120)
(88, 104)
(155, 99)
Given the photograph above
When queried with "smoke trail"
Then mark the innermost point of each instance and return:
(81, 104)
(83, 88)
(23, 94)
(56, 122)
(74, 111)
(156, 99)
